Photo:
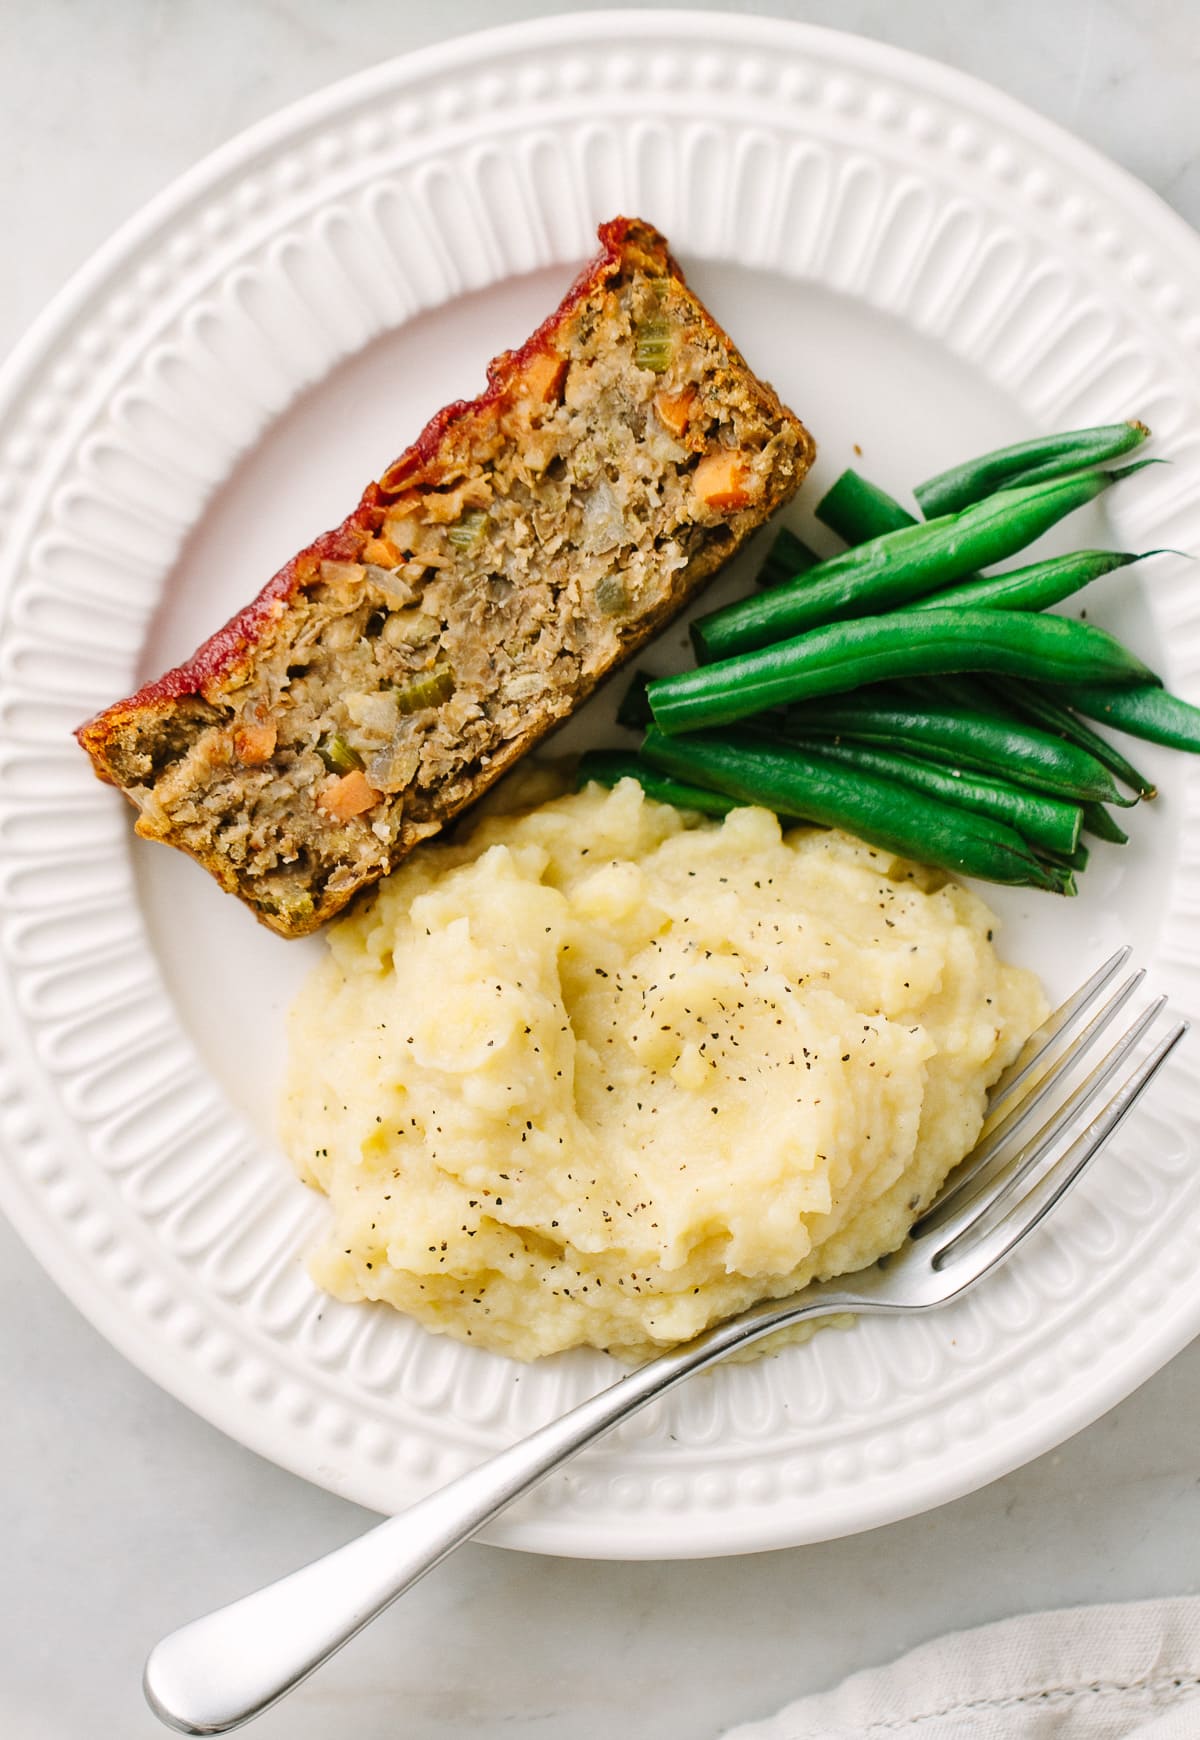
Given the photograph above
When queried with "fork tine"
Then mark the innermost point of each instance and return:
(979, 1256)
(1054, 1032)
(1009, 1171)
(1000, 1154)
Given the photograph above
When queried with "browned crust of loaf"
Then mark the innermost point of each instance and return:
(219, 664)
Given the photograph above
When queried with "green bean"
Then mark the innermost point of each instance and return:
(788, 558)
(1077, 860)
(1046, 822)
(1046, 710)
(634, 709)
(609, 766)
(1097, 821)
(846, 655)
(894, 569)
(1045, 473)
(858, 510)
(1010, 699)
(1014, 701)
(971, 693)
(1033, 588)
(1004, 749)
(1148, 712)
(1047, 456)
(747, 766)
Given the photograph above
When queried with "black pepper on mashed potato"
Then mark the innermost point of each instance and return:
(601, 1073)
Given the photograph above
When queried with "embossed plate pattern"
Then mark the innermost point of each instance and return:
(921, 266)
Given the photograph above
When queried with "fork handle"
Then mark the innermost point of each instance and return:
(219, 1671)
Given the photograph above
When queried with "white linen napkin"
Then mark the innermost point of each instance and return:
(1084, 1673)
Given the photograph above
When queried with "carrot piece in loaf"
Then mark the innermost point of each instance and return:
(527, 543)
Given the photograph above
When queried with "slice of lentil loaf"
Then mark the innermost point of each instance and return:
(527, 543)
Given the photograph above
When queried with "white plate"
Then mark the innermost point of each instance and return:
(923, 268)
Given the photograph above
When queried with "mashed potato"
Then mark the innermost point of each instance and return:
(601, 1074)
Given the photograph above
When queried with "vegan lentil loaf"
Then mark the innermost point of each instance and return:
(528, 542)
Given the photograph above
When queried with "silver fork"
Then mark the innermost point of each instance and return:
(221, 1670)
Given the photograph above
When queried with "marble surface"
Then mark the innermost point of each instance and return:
(122, 1514)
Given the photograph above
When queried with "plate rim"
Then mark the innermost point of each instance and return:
(436, 57)
(82, 1285)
